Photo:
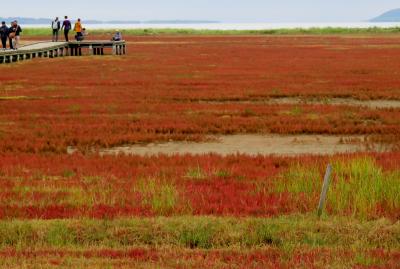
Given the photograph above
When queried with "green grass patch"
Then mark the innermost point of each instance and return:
(196, 173)
(199, 235)
(299, 179)
(167, 31)
(59, 234)
(359, 187)
(284, 232)
(68, 173)
(7, 98)
(223, 173)
(159, 195)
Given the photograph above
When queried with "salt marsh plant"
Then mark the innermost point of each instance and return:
(161, 196)
(359, 187)
(362, 187)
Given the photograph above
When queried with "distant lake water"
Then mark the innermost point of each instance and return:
(233, 26)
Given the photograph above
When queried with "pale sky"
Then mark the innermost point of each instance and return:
(220, 10)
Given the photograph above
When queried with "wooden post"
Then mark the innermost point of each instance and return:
(324, 189)
(114, 49)
(90, 50)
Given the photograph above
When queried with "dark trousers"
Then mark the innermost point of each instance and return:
(79, 36)
(66, 32)
(11, 43)
(55, 35)
(4, 42)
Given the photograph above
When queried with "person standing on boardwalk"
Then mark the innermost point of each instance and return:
(67, 27)
(56, 26)
(4, 34)
(14, 33)
(78, 29)
(11, 35)
(17, 34)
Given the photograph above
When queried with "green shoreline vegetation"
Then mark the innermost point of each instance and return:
(203, 232)
(167, 31)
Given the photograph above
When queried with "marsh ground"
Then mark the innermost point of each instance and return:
(291, 93)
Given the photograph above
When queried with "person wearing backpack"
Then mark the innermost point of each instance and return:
(4, 34)
(56, 26)
(67, 27)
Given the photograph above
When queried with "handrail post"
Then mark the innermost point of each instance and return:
(324, 191)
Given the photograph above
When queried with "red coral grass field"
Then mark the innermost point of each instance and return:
(65, 204)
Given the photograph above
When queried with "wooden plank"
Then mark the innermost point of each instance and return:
(52, 49)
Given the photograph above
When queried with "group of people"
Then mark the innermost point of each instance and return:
(66, 26)
(12, 34)
(80, 31)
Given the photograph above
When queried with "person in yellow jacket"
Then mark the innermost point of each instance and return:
(78, 29)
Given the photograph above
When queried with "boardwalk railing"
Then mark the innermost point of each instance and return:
(60, 49)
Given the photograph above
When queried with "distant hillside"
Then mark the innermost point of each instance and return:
(48, 21)
(26, 20)
(390, 16)
(179, 22)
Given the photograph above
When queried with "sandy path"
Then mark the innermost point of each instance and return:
(290, 145)
(375, 104)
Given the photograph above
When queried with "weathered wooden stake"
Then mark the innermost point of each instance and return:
(324, 189)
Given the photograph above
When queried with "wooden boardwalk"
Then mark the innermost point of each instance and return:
(61, 49)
